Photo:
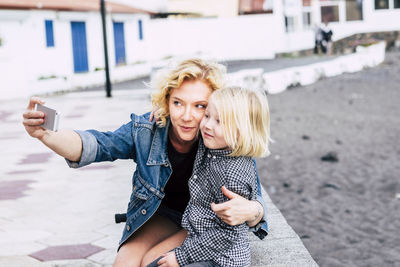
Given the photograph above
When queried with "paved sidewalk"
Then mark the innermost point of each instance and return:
(51, 215)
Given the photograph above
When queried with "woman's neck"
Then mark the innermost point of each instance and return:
(180, 145)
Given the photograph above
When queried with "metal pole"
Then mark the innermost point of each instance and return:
(103, 20)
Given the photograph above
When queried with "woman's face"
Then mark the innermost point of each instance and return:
(186, 108)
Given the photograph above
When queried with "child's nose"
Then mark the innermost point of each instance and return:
(208, 124)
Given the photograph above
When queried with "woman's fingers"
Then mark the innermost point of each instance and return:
(32, 118)
(32, 122)
(30, 114)
(162, 261)
(33, 101)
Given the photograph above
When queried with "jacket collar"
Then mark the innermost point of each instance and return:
(158, 150)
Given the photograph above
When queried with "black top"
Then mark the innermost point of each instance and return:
(177, 189)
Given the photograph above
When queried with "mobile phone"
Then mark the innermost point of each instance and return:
(51, 117)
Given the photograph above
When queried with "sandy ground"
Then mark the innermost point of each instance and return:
(346, 212)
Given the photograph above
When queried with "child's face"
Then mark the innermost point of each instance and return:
(211, 129)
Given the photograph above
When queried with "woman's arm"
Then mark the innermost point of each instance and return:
(66, 143)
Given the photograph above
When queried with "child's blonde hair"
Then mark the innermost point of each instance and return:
(192, 69)
(244, 117)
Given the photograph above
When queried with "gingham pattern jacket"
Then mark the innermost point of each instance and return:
(209, 238)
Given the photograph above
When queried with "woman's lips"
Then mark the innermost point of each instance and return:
(186, 129)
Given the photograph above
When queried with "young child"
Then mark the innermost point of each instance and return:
(235, 128)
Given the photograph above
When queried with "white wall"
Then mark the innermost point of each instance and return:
(254, 36)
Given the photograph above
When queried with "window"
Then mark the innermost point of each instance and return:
(140, 25)
(396, 3)
(306, 20)
(49, 33)
(381, 4)
(329, 13)
(354, 10)
(289, 23)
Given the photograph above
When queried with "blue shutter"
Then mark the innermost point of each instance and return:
(119, 43)
(49, 33)
(140, 25)
(79, 46)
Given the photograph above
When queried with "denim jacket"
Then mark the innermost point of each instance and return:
(146, 144)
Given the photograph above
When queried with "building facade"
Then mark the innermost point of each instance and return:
(60, 47)
(56, 45)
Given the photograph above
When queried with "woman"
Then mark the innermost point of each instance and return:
(163, 152)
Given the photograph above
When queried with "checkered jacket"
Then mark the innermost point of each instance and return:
(209, 238)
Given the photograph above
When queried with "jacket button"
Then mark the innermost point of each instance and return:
(144, 211)
(166, 164)
(214, 157)
(128, 228)
(195, 176)
(208, 155)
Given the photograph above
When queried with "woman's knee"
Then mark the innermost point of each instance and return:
(128, 257)
(131, 253)
(143, 240)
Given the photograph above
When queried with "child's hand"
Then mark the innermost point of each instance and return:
(238, 209)
(168, 260)
(153, 114)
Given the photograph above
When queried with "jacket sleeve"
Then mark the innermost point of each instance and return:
(261, 229)
(105, 146)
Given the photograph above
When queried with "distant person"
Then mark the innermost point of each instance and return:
(327, 37)
(164, 154)
(319, 40)
(234, 129)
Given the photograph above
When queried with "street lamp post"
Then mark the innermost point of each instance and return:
(103, 20)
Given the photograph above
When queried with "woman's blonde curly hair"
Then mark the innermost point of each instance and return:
(170, 78)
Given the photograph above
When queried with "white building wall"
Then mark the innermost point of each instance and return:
(373, 20)
(136, 49)
(24, 57)
(248, 37)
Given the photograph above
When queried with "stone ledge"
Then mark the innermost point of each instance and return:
(278, 81)
(282, 246)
